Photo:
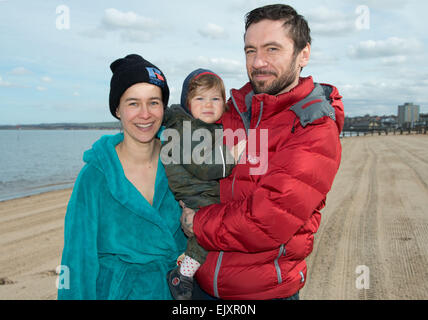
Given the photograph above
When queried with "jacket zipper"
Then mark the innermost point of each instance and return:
(216, 272)
(220, 255)
(282, 247)
(277, 268)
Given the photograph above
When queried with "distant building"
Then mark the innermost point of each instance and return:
(389, 122)
(423, 118)
(408, 115)
(364, 125)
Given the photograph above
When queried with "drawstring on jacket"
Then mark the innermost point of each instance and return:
(292, 128)
(260, 115)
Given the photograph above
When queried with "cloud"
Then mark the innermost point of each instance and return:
(8, 84)
(20, 71)
(213, 31)
(382, 96)
(383, 4)
(40, 88)
(116, 19)
(4, 83)
(46, 79)
(244, 6)
(224, 67)
(329, 22)
(319, 58)
(369, 90)
(99, 32)
(394, 60)
(137, 36)
(130, 25)
(390, 47)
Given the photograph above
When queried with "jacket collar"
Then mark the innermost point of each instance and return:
(271, 104)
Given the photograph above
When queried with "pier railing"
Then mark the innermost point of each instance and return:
(382, 131)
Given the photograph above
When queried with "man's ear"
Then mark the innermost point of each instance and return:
(304, 56)
(117, 112)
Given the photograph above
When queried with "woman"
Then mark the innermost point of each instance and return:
(122, 226)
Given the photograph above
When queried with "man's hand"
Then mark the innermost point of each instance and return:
(187, 219)
(238, 149)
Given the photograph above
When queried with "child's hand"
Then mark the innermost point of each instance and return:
(238, 149)
(187, 219)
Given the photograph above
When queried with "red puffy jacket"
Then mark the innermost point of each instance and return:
(261, 232)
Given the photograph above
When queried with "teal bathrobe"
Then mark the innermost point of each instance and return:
(117, 245)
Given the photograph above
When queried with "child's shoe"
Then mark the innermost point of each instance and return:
(181, 287)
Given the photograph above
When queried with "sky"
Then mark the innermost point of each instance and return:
(55, 56)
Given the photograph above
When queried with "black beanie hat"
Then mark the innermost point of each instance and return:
(131, 70)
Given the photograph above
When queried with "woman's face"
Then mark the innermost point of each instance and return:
(141, 111)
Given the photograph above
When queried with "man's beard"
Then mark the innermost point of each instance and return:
(277, 85)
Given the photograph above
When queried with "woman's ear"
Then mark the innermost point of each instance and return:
(117, 112)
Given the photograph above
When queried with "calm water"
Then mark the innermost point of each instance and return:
(35, 161)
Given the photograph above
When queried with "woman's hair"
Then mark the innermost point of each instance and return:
(299, 30)
(206, 81)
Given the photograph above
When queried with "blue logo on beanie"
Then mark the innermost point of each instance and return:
(156, 77)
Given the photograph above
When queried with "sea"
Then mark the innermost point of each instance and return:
(37, 161)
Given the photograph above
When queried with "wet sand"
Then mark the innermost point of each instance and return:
(374, 228)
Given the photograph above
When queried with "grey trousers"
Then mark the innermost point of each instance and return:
(195, 251)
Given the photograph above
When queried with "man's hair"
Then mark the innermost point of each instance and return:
(298, 27)
(206, 82)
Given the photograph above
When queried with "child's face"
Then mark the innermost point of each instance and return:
(207, 105)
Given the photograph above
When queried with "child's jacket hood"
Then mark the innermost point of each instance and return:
(185, 89)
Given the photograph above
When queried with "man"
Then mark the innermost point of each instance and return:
(261, 232)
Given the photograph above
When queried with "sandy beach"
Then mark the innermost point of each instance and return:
(375, 226)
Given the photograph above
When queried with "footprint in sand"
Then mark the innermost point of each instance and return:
(48, 273)
(4, 281)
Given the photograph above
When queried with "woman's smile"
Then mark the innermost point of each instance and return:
(144, 126)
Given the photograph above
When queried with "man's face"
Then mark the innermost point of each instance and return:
(272, 66)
